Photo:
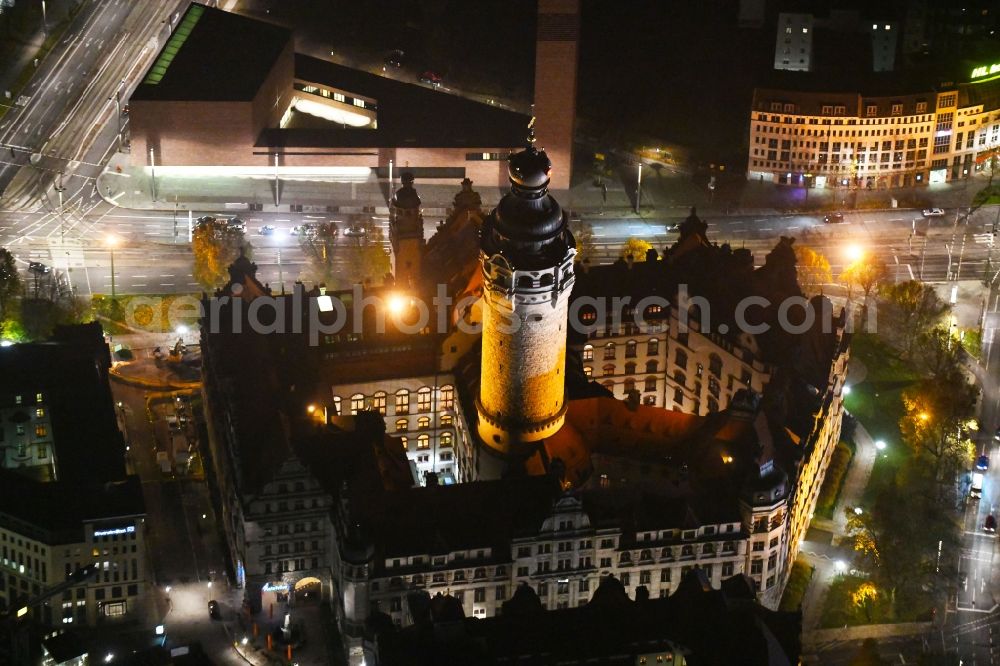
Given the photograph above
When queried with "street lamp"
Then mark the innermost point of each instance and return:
(855, 252)
(111, 241)
(880, 445)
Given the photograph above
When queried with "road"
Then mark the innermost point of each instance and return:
(154, 255)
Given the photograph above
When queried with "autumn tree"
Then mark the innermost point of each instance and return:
(586, 249)
(907, 311)
(864, 597)
(864, 273)
(215, 245)
(813, 270)
(10, 281)
(367, 257)
(319, 250)
(635, 249)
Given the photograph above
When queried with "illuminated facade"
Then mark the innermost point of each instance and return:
(852, 140)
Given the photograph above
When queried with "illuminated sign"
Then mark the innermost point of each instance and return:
(115, 532)
(985, 70)
(275, 587)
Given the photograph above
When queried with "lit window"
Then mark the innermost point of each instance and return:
(424, 422)
(446, 439)
(40, 413)
(357, 403)
(359, 102)
(405, 442)
(378, 402)
(402, 425)
(588, 353)
(447, 397)
(423, 442)
(41, 431)
(339, 97)
(805, 31)
(424, 400)
(402, 401)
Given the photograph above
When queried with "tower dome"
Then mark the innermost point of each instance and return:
(406, 196)
(528, 226)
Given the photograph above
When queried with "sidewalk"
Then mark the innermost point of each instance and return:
(663, 196)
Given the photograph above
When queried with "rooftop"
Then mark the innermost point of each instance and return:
(211, 56)
(409, 115)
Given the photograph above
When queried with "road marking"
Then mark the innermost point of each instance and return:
(766, 229)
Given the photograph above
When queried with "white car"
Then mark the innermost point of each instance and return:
(933, 212)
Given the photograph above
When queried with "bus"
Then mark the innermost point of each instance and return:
(976, 491)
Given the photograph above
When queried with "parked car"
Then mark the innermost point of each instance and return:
(236, 224)
(982, 463)
(355, 230)
(430, 77)
(395, 58)
(38, 268)
(266, 230)
(933, 212)
(214, 611)
(833, 218)
(963, 580)
(990, 525)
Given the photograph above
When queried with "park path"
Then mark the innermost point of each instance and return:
(858, 474)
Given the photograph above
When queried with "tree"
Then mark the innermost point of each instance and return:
(865, 273)
(10, 281)
(813, 270)
(367, 259)
(909, 310)
(585, 246)
(864, 598)
(635, 248)
(319, 250)
(215, 245)
(934, 425)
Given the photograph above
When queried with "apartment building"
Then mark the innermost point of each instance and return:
(816, 139)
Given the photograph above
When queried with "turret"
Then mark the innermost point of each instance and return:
(527, 255)
(406, 233)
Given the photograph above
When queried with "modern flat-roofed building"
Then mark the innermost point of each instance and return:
(207, 108)
(66, 501)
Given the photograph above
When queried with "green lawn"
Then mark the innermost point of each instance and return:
(877, 405)
(795, 590)
(834, 480)
(839, 608)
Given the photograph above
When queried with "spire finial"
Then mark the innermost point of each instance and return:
(531, 132)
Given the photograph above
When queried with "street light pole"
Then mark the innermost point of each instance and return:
(112, 250)
(152, 173)
(45, 19)
(638, 187)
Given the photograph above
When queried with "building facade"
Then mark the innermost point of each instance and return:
(852, 140)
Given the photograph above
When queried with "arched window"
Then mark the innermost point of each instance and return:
(588, 371)
(630, 348)
(337, 405)
(609, 351)
(424, 422)
(630, 368)
(687, 551)
(547, 280)
(378, 402)
(447, 396)
(446, 440)
(681, 358)
(447, 419)
(423, 442)
(715, 364)
(588, 352)
(424, 399)
(707, 549)
(645, 555)
(609, 370)
(651, 366)
(667, 554)
(626, 558)
(629, 385)
(680, 380)
(405, 442)
(402, 425)
(713, 405)
(652, 347)
(402, 401)
(479, 573)
(526, 281)
(418, 579)
(650, 384)
(649, 400)
(357, 403)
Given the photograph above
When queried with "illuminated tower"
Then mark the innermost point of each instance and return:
(527, 258)
(556, 49)
(406, 233)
